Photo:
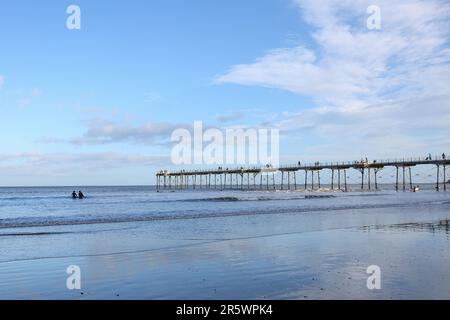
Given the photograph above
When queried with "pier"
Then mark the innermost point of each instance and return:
(286, 177)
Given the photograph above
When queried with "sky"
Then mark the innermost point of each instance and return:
(98, 105)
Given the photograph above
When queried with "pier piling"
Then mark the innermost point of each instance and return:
(229, 178)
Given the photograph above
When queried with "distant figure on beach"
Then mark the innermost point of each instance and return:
(74, 195)
(80, 195)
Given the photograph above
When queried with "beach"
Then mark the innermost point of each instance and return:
(134, 243)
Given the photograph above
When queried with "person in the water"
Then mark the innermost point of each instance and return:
(74, 195)
(80, 195)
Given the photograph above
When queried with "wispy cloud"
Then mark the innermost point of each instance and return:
(61, 163)
(101, 131)
(391, 82)
(233, 116)
(27, 99)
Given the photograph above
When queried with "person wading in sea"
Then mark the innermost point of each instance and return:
(80, 195)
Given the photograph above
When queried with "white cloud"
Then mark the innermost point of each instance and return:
(54, 163)
(101, 131)
(364, 82)
(230, 117)
(66, 168)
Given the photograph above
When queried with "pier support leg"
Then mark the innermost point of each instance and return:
(273, 181)
(410, 179)
(404, 181)
(376, 182)
(295, 180)
(362, 179)
(339, 179)
(312, 180)
(396, 180)
(332, 179)
(445, 181)
(289, 180)
(368, 178)
(282, 180)
(261, 181)
(306, 180)
(437, 178)
(318, 178)
(345, 180)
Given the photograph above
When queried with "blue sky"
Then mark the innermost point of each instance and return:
(97, 105)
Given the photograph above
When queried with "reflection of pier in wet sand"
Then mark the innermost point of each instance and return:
(264, 178)
(441, 225)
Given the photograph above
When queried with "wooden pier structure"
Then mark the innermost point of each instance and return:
(264, 178)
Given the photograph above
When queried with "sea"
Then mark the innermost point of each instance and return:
(131, 242)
